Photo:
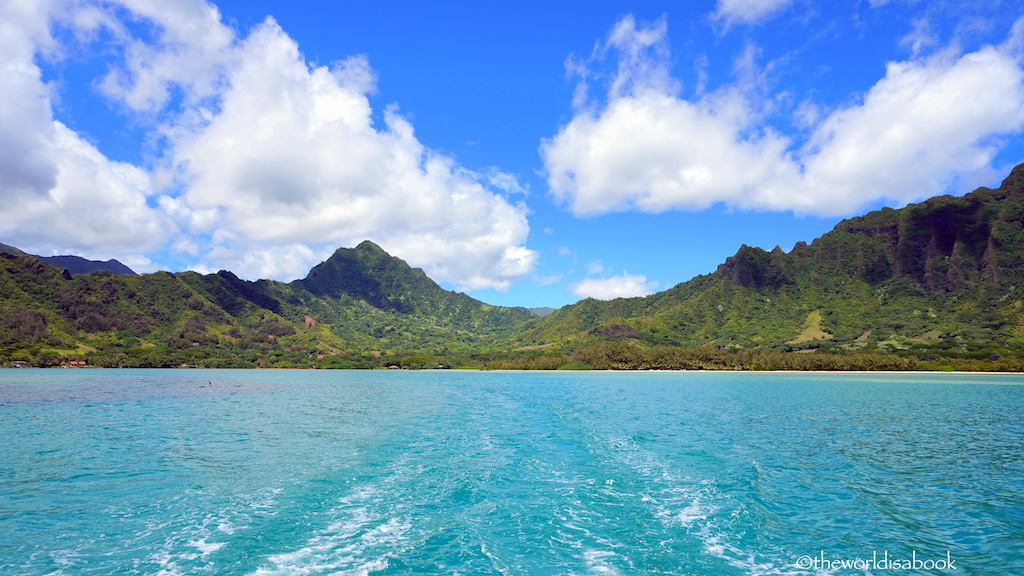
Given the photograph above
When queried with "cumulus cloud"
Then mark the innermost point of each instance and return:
(62, 194)
(190, 50)
(267, 164)
(923, 125)
(94, 202)
(747, 11)
(927, 123)
(623, 286)
(292, 158)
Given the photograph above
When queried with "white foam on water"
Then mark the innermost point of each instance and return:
(596, 562)
(168, 564)
(496, 562)
(692, 513)
(187, 541)
(264, 502)
(593, 550)
(188, 544)
(198, 539)
(687, 502)
(354, 547)
(61, 557)
(205, 547)
(361, 541)
(575, 519)
(715, 542)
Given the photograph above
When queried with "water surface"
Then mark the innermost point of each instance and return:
(438, 472)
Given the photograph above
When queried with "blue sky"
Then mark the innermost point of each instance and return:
(528, 153)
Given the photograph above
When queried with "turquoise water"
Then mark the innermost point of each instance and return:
(326, 472)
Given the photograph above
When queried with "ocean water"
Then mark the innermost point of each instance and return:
(193, 472)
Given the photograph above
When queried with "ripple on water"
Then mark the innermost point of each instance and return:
(312, 473)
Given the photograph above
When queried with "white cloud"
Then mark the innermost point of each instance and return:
(191, 50)
(62, 194)
(268, 164)
(747, 11)
(918, 129)
(94, 207)
(927, 123)
(26, 124)
(292, 158)
(623, 286)
(642, 52)
(657, 152)
(920, 38)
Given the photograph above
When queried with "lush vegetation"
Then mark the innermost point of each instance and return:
(384, 313)
(629, 356)
(937, 285)
(935, 281)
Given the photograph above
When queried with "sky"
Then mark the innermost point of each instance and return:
(526, 153)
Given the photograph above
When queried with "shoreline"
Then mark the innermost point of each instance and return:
(625, 371)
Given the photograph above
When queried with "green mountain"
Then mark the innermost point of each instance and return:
(79, 265)
(945, 276)
(75, 264)
(361, 307)
(933, 282)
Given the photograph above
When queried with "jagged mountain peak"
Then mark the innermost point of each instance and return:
(368, 246)
(1015, 181)
(370, 274)
(369, 253)
(949, 267)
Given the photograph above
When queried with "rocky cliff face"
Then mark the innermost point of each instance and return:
(949, 269)
(946, 243)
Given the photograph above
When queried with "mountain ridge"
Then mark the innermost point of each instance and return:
(361, 304)
(961, 258)
(74, 264)
(942, 278)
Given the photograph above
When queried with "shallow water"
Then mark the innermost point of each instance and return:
(441, 472)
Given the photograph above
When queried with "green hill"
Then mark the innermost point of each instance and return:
(75, 264)
(942, 277)
(935, 284)
(360, 308)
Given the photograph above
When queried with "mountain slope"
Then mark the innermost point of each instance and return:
(4, 248)
(942, 274)
(369, 275)
(942, 278)
(79, 265)
(75, 264)
(359, 300)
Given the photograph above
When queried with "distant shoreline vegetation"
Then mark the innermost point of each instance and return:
(622, 356)
(625, 356)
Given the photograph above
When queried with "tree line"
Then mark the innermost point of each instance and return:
(628, 356)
